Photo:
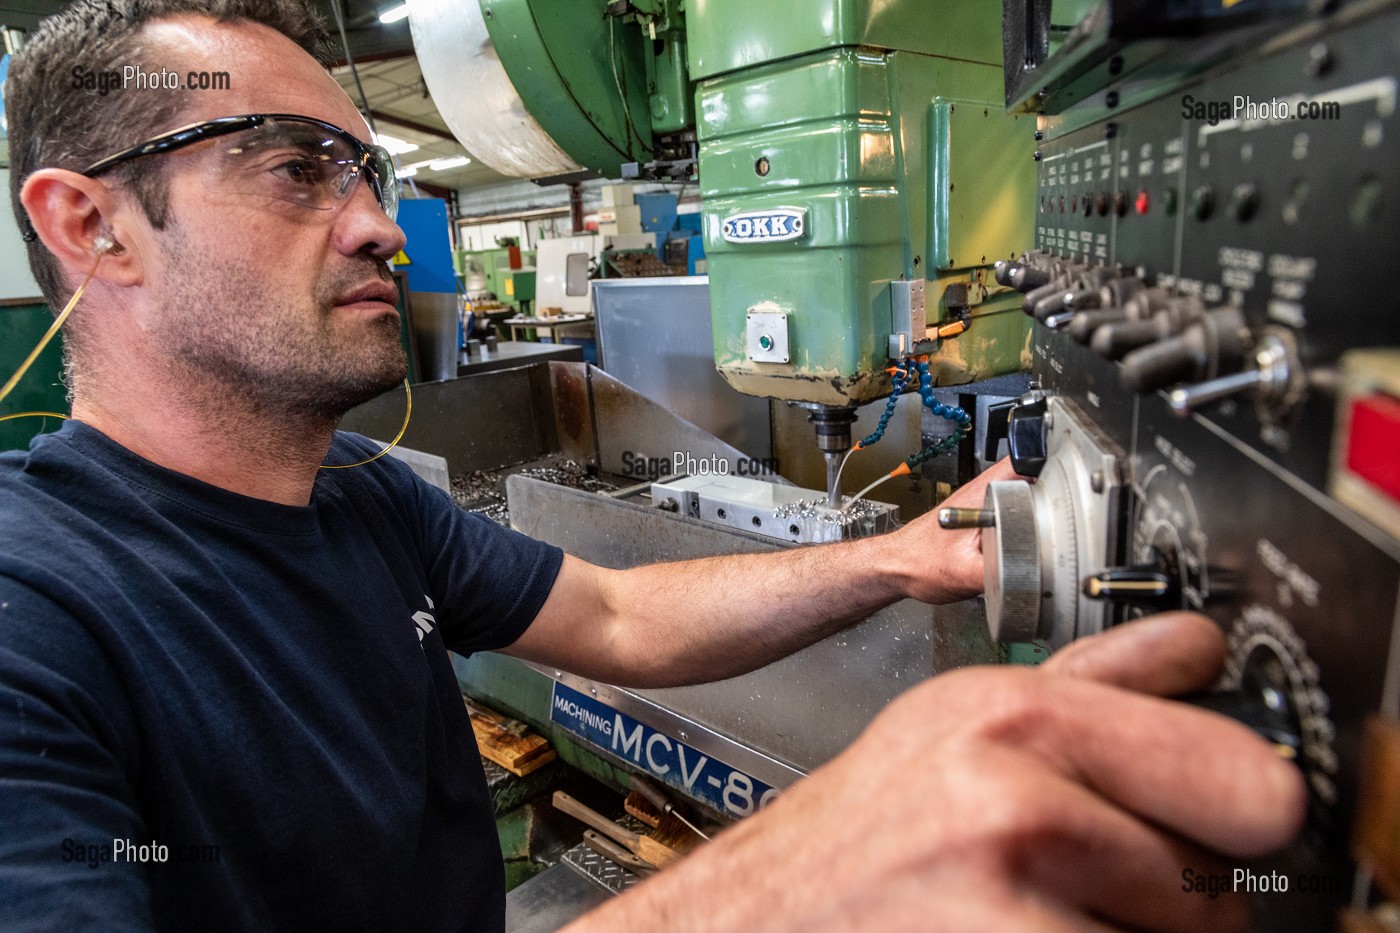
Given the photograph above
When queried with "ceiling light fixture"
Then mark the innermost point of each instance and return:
(394, 14)
(395, 145)
(442, 165)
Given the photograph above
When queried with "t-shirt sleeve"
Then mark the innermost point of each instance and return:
(65, 797)
(493, 580)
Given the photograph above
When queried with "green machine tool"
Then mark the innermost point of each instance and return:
(511, 285)
(858, 172)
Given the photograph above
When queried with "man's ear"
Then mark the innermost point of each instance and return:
(78, 219)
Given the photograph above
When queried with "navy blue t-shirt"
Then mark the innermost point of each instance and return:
(262, 691)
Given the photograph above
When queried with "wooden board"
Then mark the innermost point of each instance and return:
(518, 754)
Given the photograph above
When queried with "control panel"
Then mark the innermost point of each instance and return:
(1216, 424)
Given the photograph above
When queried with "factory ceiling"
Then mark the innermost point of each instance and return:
(393, 86)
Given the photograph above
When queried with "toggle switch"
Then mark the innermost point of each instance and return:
(1115, 341)
(1214, 345)
(1275, 377)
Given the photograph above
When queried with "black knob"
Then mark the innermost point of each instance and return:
(1001, 271)
(1084, 299)
(1036, 295)
(1115, 341)
(1203, 202)
(1265, 713)
(1053, 303)
(1244, 201)
(1028, 435)
(1024, 278)
(1085, 323)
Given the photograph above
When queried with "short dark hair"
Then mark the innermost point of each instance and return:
(53, 124)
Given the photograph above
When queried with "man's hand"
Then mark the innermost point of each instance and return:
(1065, 798)
(945, 566)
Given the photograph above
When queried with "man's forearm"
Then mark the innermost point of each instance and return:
(708, 619)
(718, 617)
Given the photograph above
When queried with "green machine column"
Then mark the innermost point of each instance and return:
(601, 85)
(857, 121)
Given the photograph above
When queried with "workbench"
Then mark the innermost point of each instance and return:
(549, 324)
(511, 353)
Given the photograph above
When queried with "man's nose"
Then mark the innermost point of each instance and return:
(363, 227)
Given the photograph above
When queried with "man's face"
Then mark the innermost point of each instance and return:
(282, 305)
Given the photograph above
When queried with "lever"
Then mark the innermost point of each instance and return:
(1276, 377)
(1215, 343)
(1132, 584)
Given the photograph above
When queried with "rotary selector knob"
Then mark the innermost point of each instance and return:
(1040, 540)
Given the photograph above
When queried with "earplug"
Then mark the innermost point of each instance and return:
(105, 242)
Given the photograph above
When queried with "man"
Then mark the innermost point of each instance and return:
(207, 640)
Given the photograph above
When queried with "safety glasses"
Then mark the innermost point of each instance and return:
(278, 155)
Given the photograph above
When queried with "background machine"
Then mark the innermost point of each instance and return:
(1213, 420)
(857, 171)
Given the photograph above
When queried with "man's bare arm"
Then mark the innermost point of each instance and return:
(708, 619)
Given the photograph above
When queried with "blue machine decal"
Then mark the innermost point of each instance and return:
(669, 760)
(772, 226)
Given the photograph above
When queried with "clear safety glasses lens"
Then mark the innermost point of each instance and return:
(304, 164)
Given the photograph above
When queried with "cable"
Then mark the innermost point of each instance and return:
(58, 325)
(897, 471)
(34, 414)
(960, 419)
(350, 60)
(408, 413)
(49, 335)
(842, 467)
(900, 382)
(621, 91)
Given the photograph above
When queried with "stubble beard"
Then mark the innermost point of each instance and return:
(272, 353)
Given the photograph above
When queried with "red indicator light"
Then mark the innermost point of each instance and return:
(1142, 202)
(1373, 448)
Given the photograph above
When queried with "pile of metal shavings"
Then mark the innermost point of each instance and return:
(854, 521)
(569, 473)
(484, 491)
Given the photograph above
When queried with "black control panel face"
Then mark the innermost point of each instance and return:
(1208, 258)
